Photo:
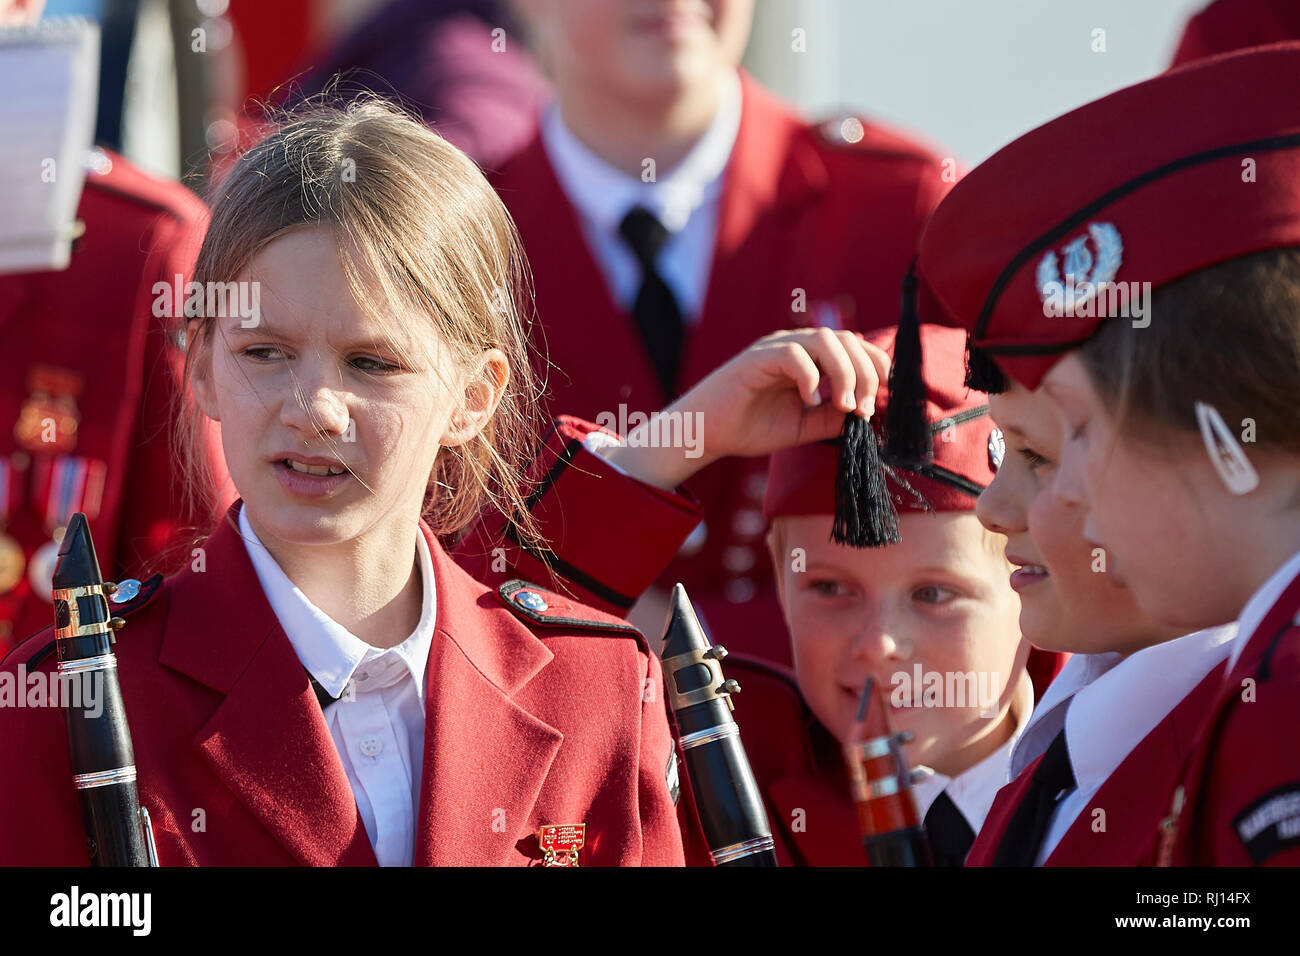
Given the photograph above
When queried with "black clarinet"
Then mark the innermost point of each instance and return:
(727, 796)
(118, 832)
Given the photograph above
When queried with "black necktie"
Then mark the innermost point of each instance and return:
(323, 697)
(1024, 835)
(656, 312)
(950, 834)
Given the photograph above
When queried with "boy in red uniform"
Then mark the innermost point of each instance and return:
(673, 211)
(932, 618)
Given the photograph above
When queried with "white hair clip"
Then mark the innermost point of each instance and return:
(1225, 452)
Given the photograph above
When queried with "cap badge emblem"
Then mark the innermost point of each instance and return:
(997, 448)
(1084, 268)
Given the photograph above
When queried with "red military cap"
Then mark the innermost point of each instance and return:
(1063, 227)
(966, 447)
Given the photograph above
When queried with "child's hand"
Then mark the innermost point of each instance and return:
(768, 397)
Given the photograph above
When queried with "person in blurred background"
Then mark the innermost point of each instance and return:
(672, 210)
(1235, 24)
(459, 63)
(89, 381)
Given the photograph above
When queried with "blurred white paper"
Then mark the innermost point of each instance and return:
(49, 75)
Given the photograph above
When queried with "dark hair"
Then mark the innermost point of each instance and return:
(1227, 335)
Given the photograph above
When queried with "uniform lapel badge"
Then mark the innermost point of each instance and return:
(48, 420)
(560, 843)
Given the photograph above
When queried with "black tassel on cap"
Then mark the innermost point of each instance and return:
(982, 373)
(864, 512)
(907, 428)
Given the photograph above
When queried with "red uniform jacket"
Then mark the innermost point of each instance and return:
(225, 722)
(92, 324)
(1134, 797)
(799, 765)
(1241, 783)
(806, 221)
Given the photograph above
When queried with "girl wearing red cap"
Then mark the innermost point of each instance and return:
(1156, 413)
(1105, 715)
(1202, 519)
(325, 684)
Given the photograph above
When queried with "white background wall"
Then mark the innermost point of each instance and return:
(969, 74)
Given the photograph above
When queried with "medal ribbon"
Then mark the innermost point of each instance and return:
(10, 491)
(69, 484)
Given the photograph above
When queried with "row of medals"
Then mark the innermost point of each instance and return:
(13, 559)
(55, 403)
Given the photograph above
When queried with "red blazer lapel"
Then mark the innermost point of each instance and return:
(574, 304)
(1135, 797)
(1193, 773)
(985, 848)
(773, 172)
(267, 741)
(485, 756)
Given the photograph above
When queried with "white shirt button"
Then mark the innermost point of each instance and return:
(371, 745)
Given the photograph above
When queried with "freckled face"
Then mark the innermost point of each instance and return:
(314, 387)
(1070, 599)
(938, 599)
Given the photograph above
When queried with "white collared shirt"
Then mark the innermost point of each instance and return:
(1107, 704)
(1261, 602)
(378, 725)
(684, 198)
(972, 791)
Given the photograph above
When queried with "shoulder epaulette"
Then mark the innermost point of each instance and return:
(858, 134)
(116, 175)
(36, 650)
(538, 605)
(148, 591)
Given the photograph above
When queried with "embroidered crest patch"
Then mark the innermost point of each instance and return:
(1084, 264)
(1272, 823)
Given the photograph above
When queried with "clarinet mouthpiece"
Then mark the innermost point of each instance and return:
(78, 565)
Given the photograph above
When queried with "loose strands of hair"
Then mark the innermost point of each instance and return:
(423, 233)
(1227, 335)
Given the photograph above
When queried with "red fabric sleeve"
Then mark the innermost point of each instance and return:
(610, 535)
